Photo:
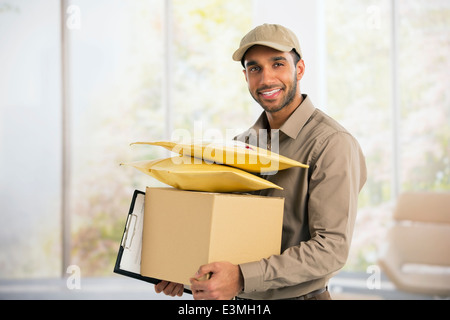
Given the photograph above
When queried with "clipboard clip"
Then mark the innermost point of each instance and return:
(130, 231)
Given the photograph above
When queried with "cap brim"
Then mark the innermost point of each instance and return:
(239, 54)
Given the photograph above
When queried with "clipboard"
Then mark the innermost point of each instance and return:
(128, 262)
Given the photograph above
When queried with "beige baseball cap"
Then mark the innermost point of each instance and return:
(270, 35)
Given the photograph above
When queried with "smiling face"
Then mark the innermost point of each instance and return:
(272, 78)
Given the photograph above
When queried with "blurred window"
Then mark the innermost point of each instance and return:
(30, 139)
(139, 71)
(143, 70)
(387, 80)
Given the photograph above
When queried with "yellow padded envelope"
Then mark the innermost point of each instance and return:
(187, 173)
(235, 154)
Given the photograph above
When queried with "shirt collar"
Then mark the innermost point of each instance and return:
(294, 123)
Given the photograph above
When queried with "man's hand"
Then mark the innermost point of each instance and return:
(224, 283)
(170, 288)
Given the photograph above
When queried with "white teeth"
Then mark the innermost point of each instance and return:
(270, 92)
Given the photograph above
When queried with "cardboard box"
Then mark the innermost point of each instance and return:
(186, 229)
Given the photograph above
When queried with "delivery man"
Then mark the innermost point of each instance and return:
(320, 202)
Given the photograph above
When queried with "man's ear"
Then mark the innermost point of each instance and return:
(245, 74)
(300, 69)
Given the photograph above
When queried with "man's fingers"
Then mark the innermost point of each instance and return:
(170, 288)
(205, 272)
(180, 290)
(223, 281)
(199, 289)
(161, 286)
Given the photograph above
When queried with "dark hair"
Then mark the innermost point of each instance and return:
(294, 53)
(296, 56)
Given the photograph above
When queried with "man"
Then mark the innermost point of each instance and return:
(320, 202)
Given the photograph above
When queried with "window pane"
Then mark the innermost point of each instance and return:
(115, 75)
(359, 35)
(210, 92)
(425, 100)
(359, 84)
(30, 139)
(359, 96)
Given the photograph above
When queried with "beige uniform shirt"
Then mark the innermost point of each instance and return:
(320, 204)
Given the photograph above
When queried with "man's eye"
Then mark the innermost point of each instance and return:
(278, 65)
(254, 69)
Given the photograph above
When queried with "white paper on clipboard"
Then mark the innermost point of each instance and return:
(132, 240)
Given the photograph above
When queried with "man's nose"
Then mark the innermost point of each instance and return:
(267, 77)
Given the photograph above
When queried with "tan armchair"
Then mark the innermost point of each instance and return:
(416, 254)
